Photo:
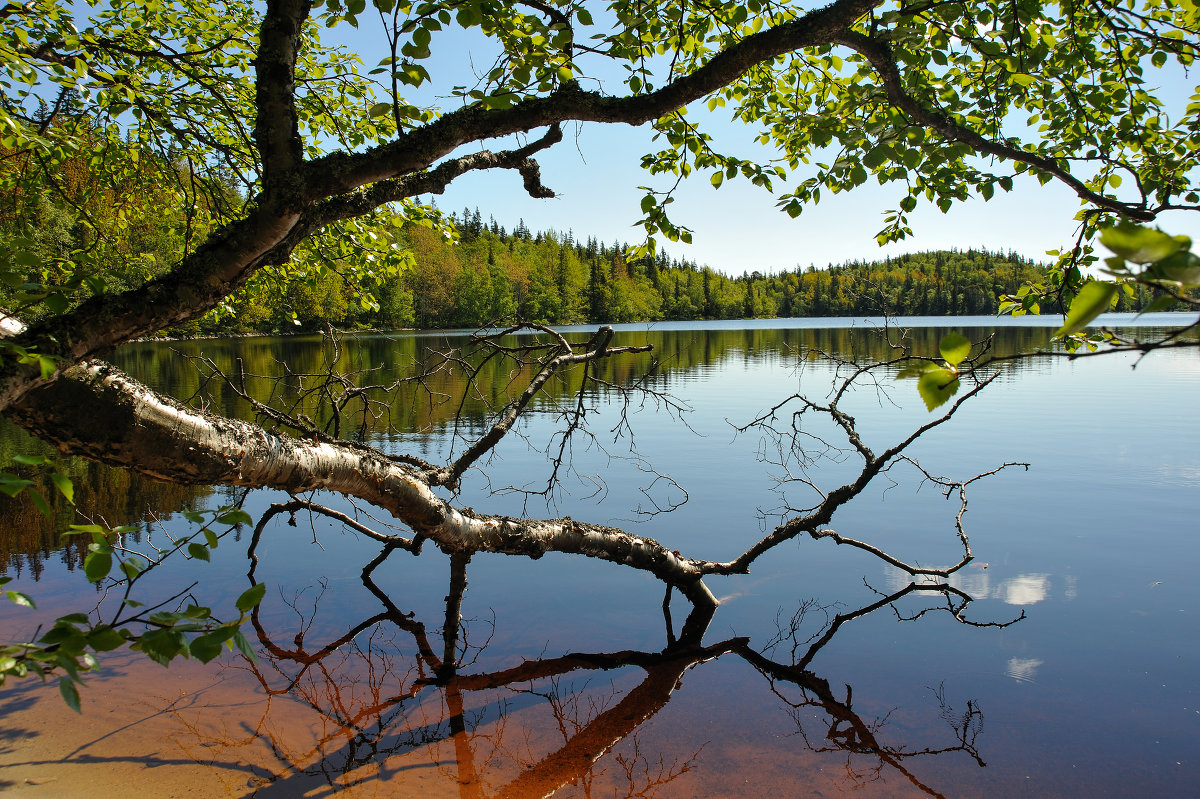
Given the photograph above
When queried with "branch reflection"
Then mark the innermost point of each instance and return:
(391, 706)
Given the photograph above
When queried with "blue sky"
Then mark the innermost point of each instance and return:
(596, 174)
(737, 227)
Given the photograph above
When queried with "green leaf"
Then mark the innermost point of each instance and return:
(380, 109)
(251, 597)
(64, 486)
(39, 500)
(205, 648)
(162, 646)
(954, 347)
(937, 386)
(234, 516)
(198, 551)
(1142, 245)
(1091, 301)
(105, 639)
(211, 538)
(70, 695)
(243, 645)
(17, 598)
(97, 565)
(915, 370)
(1159, 304)
(56, 302)
(132, 567)
(1182, 267)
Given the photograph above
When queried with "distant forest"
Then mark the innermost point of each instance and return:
(556, 278)
(117, 235)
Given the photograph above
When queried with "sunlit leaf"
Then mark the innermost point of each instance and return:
(251, 597)
(1091, 301)
(18, 598)
(1137, 243)
(97, 565)
(64, 486)
(936, 386)
(954, 347)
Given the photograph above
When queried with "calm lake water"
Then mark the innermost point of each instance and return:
(562, 682)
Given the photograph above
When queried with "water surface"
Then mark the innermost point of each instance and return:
(565, 679)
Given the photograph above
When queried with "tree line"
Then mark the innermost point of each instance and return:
(488, 273)
(412, 273)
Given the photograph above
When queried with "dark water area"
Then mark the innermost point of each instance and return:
(824, 672)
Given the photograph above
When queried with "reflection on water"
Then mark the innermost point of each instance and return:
(1023, 669)
(577, 679)
(1024, 589)
(378, 702)
(1027, 589)
(383, 701)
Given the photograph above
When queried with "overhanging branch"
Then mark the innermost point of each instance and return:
(879, 54)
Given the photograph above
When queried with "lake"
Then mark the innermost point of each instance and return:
(822, 673)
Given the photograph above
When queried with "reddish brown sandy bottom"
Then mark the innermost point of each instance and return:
(196, 731)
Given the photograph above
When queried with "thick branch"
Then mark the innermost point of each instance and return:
(881, 58)
(435, 181)
(270, 232)
(277, 131)
(130, 425)
(415, 150)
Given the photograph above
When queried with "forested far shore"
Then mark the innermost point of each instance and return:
(407, 273)
(491, 273)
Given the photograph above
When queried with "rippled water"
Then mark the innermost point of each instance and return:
(565, 681)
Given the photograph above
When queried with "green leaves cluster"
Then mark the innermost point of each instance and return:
(1048, 91)
(938, 382)
(72, 642)
(1142, 255)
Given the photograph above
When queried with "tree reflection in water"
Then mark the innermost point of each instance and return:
(394, 710)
